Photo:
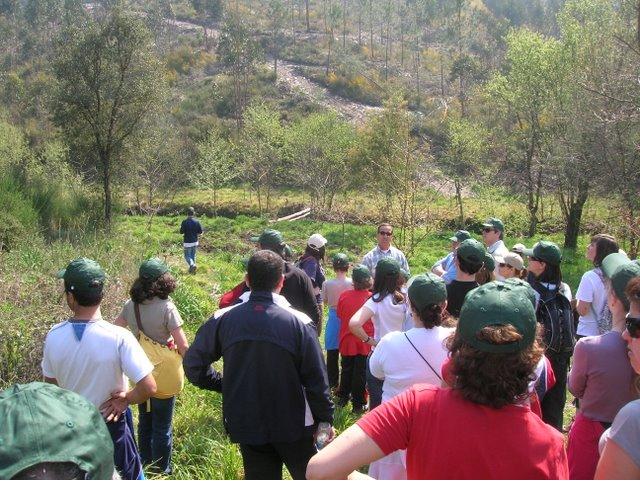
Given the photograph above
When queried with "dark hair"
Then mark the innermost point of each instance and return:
(633, 291)
(484, 275)
(430, 315)
(362, 285)
(316, 253)
(338, 267)
(265, 270)
(605, 245)
(387, 284)
(469, 267)
(90, 298)
(144, 289)
(382, 225)
(191, 211)
(551, 274)
(493, 379)
(51, 471)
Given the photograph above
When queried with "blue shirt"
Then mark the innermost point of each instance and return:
(449, 266)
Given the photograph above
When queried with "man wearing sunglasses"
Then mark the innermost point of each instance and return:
(384, 250)
(492, 234)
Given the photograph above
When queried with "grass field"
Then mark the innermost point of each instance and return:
(31, 302)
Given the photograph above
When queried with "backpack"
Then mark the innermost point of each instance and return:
(556, 316)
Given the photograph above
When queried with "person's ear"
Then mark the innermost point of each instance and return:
(246, 280)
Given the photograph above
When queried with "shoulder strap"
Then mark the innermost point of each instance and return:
(136, 310)
(420, 355)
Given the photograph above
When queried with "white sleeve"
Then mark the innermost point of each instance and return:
(585, 288)
(566, 291)
(371, 305)
(376, 361)
(133, 359)
(47, 369)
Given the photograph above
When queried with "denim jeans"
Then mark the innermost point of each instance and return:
(374, 387)
(155, 435)
(190, 255)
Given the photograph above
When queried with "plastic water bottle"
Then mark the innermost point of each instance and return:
(323, 435)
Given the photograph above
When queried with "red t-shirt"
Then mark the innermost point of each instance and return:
(448, 437)
(349, 302)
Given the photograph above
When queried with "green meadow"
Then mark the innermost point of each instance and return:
(31, 302)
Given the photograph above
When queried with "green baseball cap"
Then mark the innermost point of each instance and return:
(45, 423)
(427, 289)
(472, 250)
(360, 273)
(528, 289)
(497, 303)
(388, 267)
(340, 261)
(83, 275)
(489, 262)
(460, 236)
(620, 270)
(152, 269)
(494, 223)
(269, 237)
(547, 251)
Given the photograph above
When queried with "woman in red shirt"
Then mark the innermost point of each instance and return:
(482, 427)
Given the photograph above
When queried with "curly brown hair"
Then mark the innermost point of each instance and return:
(633, 291)
(144, 289)
(431, 315)
(493, 379)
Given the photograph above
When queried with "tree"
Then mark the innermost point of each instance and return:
(463, 155)
(238, 52)
(277, 14)
(208, 11)
(320, 150)
(108, 82)
(216, 164)
(523, 98)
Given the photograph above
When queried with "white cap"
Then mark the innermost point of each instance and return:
(316, 241)
(518, 248)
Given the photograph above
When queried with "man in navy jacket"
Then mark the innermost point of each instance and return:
(275, 390)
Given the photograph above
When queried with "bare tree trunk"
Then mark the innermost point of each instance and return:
(106, 184)
(344, 24)
(306, 14)
(458, 186)
(574, 207)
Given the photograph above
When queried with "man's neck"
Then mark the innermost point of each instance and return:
(381, 248)
(464, 277)
(341, 275)
(87, 313)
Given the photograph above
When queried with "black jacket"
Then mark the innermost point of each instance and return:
(273, 366)
(298, 290)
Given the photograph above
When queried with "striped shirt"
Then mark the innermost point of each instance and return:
(371, 259)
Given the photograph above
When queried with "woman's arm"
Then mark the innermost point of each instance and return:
(351, 450)
(615, 463)
(181, 340)
(357, 322)
(583, 307)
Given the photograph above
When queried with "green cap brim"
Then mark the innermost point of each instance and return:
(254, 239)
(60, 274)
(527, 251)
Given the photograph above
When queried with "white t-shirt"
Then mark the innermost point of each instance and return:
(96, 365)
(387, 316)
(592, 290)
(398, 363)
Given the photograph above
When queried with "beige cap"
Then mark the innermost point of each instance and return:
(514, 260)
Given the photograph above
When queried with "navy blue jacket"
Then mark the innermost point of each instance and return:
(275, 376)
(190, 228)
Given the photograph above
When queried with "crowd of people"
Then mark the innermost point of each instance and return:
(460, 372)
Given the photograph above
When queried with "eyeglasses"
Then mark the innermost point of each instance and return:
(486, 230)
(385, 233)
(533, 258)
(633, 326)
(504, 265)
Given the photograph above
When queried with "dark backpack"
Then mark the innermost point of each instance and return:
(556, 316)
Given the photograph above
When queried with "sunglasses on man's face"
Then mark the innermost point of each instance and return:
(385, 233)
(504, 265)
(486, 230)
(633, 326)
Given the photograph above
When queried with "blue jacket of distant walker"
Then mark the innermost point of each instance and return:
(275, 377)
(190, 228)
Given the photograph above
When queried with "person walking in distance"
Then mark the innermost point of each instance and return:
(191, 231)
(275, 395)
